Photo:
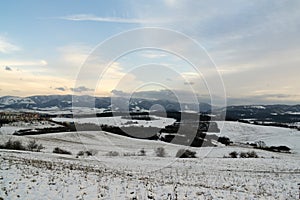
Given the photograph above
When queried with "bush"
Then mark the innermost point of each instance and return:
(233, 154)
(185, 153)
(112, 153)
(249, 154)
(80, 153)
(129, 154)
(160, 152)
(15, 145)
(252, 154)
(224, 140)
(142, 152)
(61, 151)
(243, 155)
(34, 146)
(86, 153)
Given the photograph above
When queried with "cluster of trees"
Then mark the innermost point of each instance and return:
(133, 131)
(263, 146)
(191, 135)
(276, 124)
(249, 154)
(32, 145)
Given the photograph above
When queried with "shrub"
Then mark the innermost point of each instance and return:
(185, 153)
(34, 146)
(233, 154)
(86, 153)
(160, 152)
(243, 155)
(112, 153)
(142, 152)
(249, 154)
(15, 145)
(252, 154)
(61, 151)
(224, 140)
(80, 153)
(129, 154)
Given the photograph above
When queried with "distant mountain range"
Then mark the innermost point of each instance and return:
(274, 113)
(109, 103)
(271, 113)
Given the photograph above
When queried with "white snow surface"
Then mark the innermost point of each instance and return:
(16, 126)
(159, 122)
(11, 100)
(44, 175)
(272, 136)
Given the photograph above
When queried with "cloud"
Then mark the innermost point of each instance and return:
(90, 17)
(30, 83)
(60, 89)
(75, 54)
(154, 55)
(264, 99)
(120, 93)
(23, 62)
(7, 47)
(189, 83)
(81, 89)
(171, 95)
(7, 68)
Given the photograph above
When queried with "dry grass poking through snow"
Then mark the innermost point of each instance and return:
(38, 176)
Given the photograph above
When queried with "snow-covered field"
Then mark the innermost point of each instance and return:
(59, 111)
(241, 132)
(44, 175)
(16, 126)
(159, 122)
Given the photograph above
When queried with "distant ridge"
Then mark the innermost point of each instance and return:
(272, 113)
(120, 104)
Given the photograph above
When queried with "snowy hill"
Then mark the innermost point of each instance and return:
(6, 101)
(33, 175)
(272, 136)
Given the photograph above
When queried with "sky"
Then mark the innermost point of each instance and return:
(244, 51)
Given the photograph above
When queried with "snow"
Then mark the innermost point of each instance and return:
(256, 107)
(292, 113)
(8, 100)
(159, 122)
(272, 136)
(189, 111)
(16, 126)
(59, 111)
(44, 175)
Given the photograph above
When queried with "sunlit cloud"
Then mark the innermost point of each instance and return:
(60, 89)
(26, 83)
(17, 63)
(7, 47)
(81, 89)
(154, 55)
(90, 17)
(74, 54)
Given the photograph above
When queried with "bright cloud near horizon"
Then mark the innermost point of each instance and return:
(255, 46)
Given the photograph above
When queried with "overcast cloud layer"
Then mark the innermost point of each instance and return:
(255, 46)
